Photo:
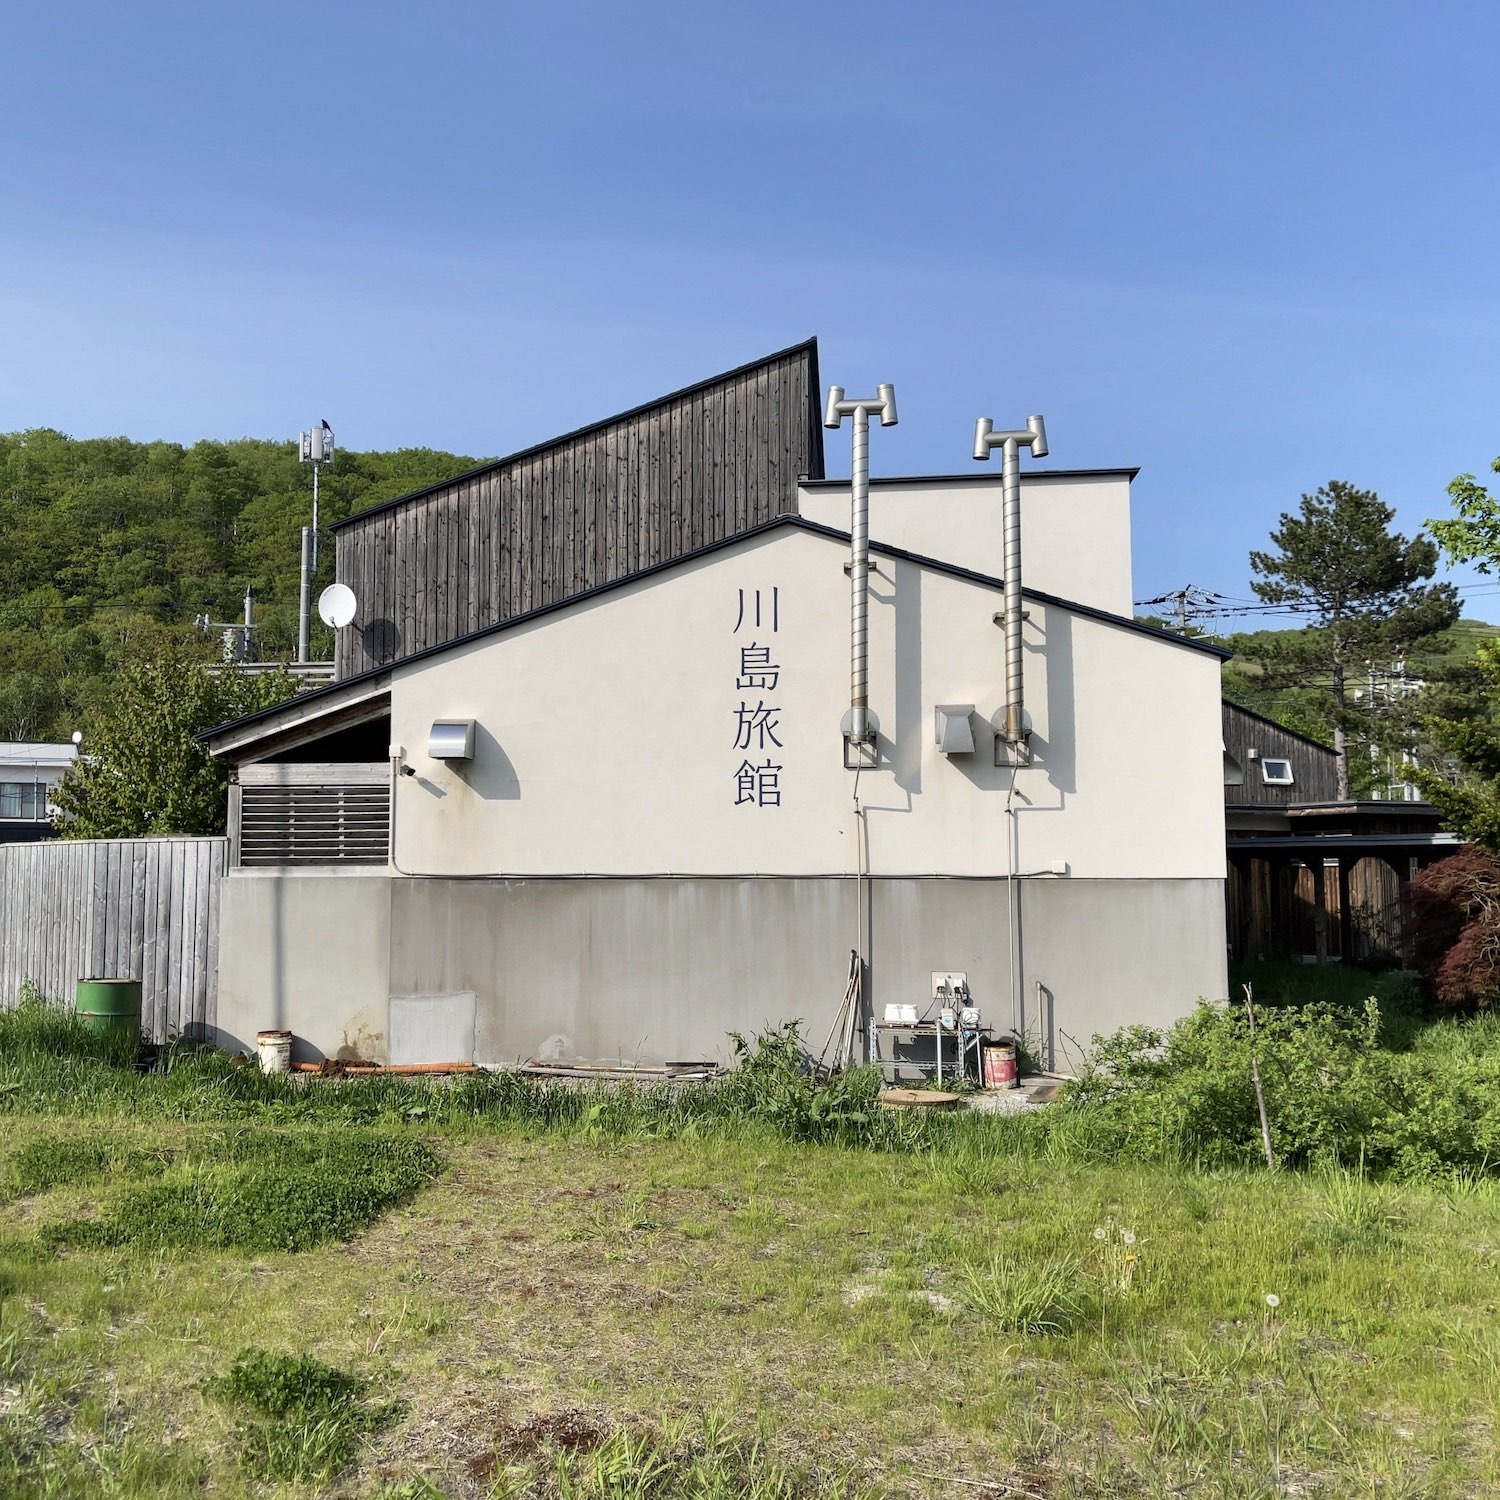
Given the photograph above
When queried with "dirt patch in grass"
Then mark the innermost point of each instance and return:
(568, 1431)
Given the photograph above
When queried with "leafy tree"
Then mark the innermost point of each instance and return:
(1472, 805)
(1454, 928)
(1338, 562)
(1474, 534)
(141, 770)
(113, 547)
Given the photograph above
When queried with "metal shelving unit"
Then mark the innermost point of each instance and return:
(951, 1050)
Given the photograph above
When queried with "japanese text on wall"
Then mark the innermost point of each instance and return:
(757, 716)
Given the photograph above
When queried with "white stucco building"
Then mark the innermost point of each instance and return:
(657, 833)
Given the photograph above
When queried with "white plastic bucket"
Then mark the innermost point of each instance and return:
(275, 1049)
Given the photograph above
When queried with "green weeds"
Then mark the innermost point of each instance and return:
(262, 1192)
(44, 1162)
(569, 1456)
(307, 1419)
(1344, 1083)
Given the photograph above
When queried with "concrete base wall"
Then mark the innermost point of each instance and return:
(308, 953)
(657, 971)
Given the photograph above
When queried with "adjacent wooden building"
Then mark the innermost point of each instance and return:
(1308, 876)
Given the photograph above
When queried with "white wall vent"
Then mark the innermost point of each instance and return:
(451, 739)
(953, 728)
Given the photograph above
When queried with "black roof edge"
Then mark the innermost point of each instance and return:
(1306, 739)
(802, 524)
(809, 346)
(969, 477)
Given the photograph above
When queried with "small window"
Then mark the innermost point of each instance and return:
(1276, 772)
(21, 799)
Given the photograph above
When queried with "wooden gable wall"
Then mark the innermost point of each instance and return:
(638, 489)
(1314, 766)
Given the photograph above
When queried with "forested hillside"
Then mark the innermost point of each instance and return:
(112, 548)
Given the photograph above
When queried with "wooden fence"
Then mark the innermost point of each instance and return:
(144, 909)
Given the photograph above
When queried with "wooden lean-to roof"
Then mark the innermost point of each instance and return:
(607, 500)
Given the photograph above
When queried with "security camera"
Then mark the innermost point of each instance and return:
(408, 770)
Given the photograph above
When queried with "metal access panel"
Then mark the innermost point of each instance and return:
(432, 1028)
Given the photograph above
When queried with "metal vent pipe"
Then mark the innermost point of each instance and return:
(1010, 444)
(882, 405)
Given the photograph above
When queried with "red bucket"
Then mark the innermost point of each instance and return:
(1000, 1071)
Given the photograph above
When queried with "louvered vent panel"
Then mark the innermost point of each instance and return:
(315, 823)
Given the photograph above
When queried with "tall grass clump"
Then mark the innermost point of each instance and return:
(1021, 1294)
(36, 1028)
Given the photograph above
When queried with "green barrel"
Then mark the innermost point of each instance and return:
(111, 1007)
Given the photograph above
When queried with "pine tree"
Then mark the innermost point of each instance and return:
(1339, 563)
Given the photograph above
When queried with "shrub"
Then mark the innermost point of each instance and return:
(1186, 1094)
(1454, 928)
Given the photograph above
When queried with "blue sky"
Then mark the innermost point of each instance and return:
(1250, 248)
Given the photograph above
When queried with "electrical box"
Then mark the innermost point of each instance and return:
(950, 988)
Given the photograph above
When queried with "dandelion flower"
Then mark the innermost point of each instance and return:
(1272, 1301)
(1128, 1236)
(1099, 1234)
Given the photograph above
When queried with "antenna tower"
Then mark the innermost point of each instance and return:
(317, 450)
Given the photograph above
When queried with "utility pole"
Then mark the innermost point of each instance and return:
(238, 638)
(1188, 603)
(317, 450)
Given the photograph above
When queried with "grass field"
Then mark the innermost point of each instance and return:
(484, 1307)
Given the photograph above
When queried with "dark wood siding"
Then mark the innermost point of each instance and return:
(529, 530)
(1271, 904)
(1313, 765)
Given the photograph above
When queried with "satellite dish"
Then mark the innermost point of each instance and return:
(336, 605)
